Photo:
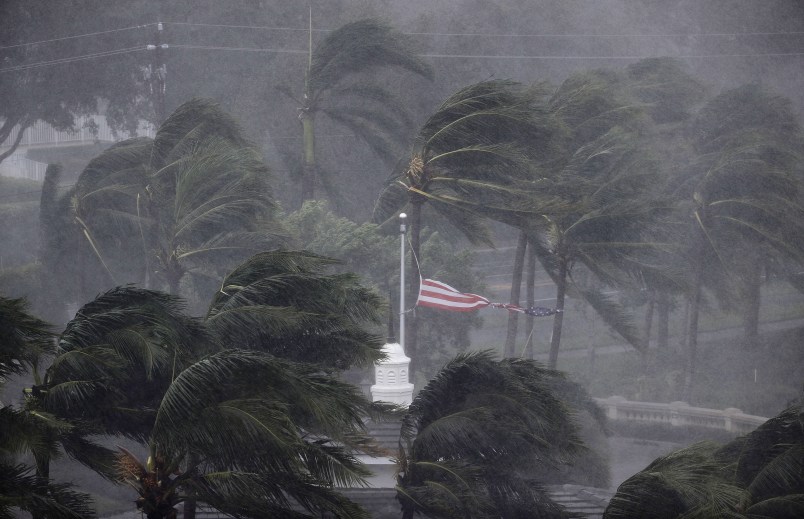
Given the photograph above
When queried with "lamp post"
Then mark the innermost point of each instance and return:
(402, 229)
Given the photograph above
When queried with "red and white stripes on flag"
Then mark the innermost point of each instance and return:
(440, 295)
(436, 294)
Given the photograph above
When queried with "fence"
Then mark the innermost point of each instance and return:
(678, 414)
(89, 128)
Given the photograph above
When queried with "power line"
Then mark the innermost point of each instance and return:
(507, 56)
(77, 36)
(72, 59)
(424, 33)
(680, 56)
(262, 27)
(426, 55)
(516, 35)
(594, 35)
(241, 49)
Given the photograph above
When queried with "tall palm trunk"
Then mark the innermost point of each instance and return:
(558, 319)
(308, 163)
(648, 327)
(663, 320)
(42, 475)
(530, 299)
(694, 312)
(516, 289)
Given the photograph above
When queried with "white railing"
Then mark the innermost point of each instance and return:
(92, 128)
(18, 166)
(679, 414)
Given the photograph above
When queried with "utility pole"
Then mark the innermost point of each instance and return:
(157, 73)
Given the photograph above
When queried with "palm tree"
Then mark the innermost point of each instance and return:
(475, 437)
(336, 86)
(252, 435)
(89, 388)
(601, 183)
(286, 303)
(743, 195)
(22, 491)
(194, 195)
(754, 476)
(605, 183)
(24, 339)
(468, 154)
(267, 427)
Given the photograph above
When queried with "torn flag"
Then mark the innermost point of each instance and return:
(436, 294)
(440, 295)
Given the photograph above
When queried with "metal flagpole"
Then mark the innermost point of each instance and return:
(402, 229)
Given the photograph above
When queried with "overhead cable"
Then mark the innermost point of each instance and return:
(77, 36)
(71, 59)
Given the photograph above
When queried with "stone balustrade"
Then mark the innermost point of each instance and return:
(678, 414)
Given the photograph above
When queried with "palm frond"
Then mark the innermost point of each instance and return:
(360, 46)
(22, 490)
(23, 337)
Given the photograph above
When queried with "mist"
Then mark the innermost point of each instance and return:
(617, 184)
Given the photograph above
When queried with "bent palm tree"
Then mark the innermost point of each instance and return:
(743, 194)
(192, 196)
(251, 449)
(472, 436)
(336, 86)
(23, 340)
(286, 304)
(755, 476)
(467, 155)
(250, 431)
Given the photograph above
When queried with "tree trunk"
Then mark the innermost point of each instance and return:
(516, 288)
(752, 301)
(308, 164)
(648, 326)
(5, 131)
(692, 344)
(558, 319)
(663, 324)
(530, 299)
(190, 501)
(42, 474)
(694, 312)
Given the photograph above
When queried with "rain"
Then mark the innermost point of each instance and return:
(363, 258)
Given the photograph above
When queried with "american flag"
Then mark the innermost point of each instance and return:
(440, 295)
(436, 294)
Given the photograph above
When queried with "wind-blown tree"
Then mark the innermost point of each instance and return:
(252, 435)
(668, 95)
(285, 303)
(476, 437)
(24, 339)
(755, 476)
(245, 404)
(580, 110)
(187, 201)
(605, 183)
(337, 85)
(476, 145)
(89, 388)
(743, 195)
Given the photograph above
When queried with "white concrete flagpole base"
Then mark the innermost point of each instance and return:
(391, 377)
